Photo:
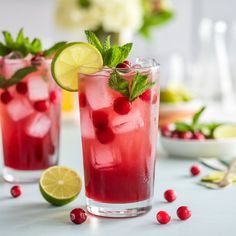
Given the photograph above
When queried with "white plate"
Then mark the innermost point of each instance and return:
(194, 149)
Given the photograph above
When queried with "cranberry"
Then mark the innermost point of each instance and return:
(100, 119)
(199, 136)
(175, 135)
(22, 88)
(127, 62)
(6, 97)
(123, 66)
(195, 170)
(186, 135)
(163, 217)
(170, 195)
(122, 105)
(53, 96)
(82, 100)
(183, 213)
(165, 131)
(16, 191)
(146, 96)
(41, 105)
(78, 216)
(105, 135)
(36, 60)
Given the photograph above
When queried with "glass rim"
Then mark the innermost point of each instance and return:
(17, 60)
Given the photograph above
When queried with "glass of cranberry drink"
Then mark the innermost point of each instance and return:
(29, 109)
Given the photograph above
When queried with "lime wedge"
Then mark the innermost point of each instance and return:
(74, 58)
(60, 185)
(225, 131)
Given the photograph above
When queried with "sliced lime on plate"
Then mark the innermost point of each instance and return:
(60, 185)
(225, 132)
(72, 59)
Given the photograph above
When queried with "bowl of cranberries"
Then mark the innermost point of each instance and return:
(196, 139)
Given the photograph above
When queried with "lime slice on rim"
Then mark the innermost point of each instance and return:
(60, 185)
(225, 131)
(73, 58)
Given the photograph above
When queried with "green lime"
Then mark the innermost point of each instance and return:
(225, 131)
(60, 185)
(72, 59)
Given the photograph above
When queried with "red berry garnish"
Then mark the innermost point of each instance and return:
(122, 105)
(105, 135)
(37, 59)
(186, 135)
(82, 100)
(41, 105)
(123, 66)
(16, 191)
(183, 213)
(78, 216)
(53, 96)
(127, 62)
(175, 135)
(165, 131)
(170, 195)
(146, 96)
(163, 217)
(22, 88)
(100, 119)
(6, 97)
(195, 170)
(199, 136)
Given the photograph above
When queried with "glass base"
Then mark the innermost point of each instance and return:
(118, 210)
(21, 176)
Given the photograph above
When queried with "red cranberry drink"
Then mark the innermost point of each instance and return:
(30, 114)
(119, 119)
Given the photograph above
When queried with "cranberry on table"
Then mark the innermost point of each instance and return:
(53, 96)
(100, 119)
(195, 170)
(170, 195)
(105, 135)
(186, 135)
(78, 216)
(82, 100)
(41, 105)
(199, 136)
(6, 97)
(183, 213)
(22, 88)
(122, 105)
(163, 217)
(146, 96)
(16, 191)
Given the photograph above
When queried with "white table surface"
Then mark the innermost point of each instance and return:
(213, 211)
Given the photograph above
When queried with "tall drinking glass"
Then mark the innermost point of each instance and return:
(119, 150)
(30, 120)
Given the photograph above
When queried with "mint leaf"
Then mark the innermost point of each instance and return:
(139, 85)
(4, 50)
(20, 38)
(119, 84)
(36, 46)
(8, 39)
(17, 77)
(182, 127)
(196, 118)
(107, 43)
(94, 40)
(53, 49)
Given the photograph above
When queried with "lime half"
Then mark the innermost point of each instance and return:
(72, 59)
(225, 131)
(60, 185)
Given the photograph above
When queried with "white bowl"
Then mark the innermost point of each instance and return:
(224, 148)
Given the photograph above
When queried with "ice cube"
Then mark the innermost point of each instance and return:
(105, 156)
(10, 66)
(145, 62)
(38, 126)
(125, 123)
(38, 88)
(19, 109)
(87, 129)
(98, 94)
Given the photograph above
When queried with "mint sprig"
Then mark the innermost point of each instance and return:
(17, 77)
(131, 90)
(52, 50)
(112, 55)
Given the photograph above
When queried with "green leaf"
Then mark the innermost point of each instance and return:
(20, 38)
(208, 128)
(17, 77)
(36, 46)
(139, 85)
(107, 43)
(4, 50)
(94, 40)
(182, 127)
(119, 84)
(8, 39)
(196, 117)
(53, 49)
